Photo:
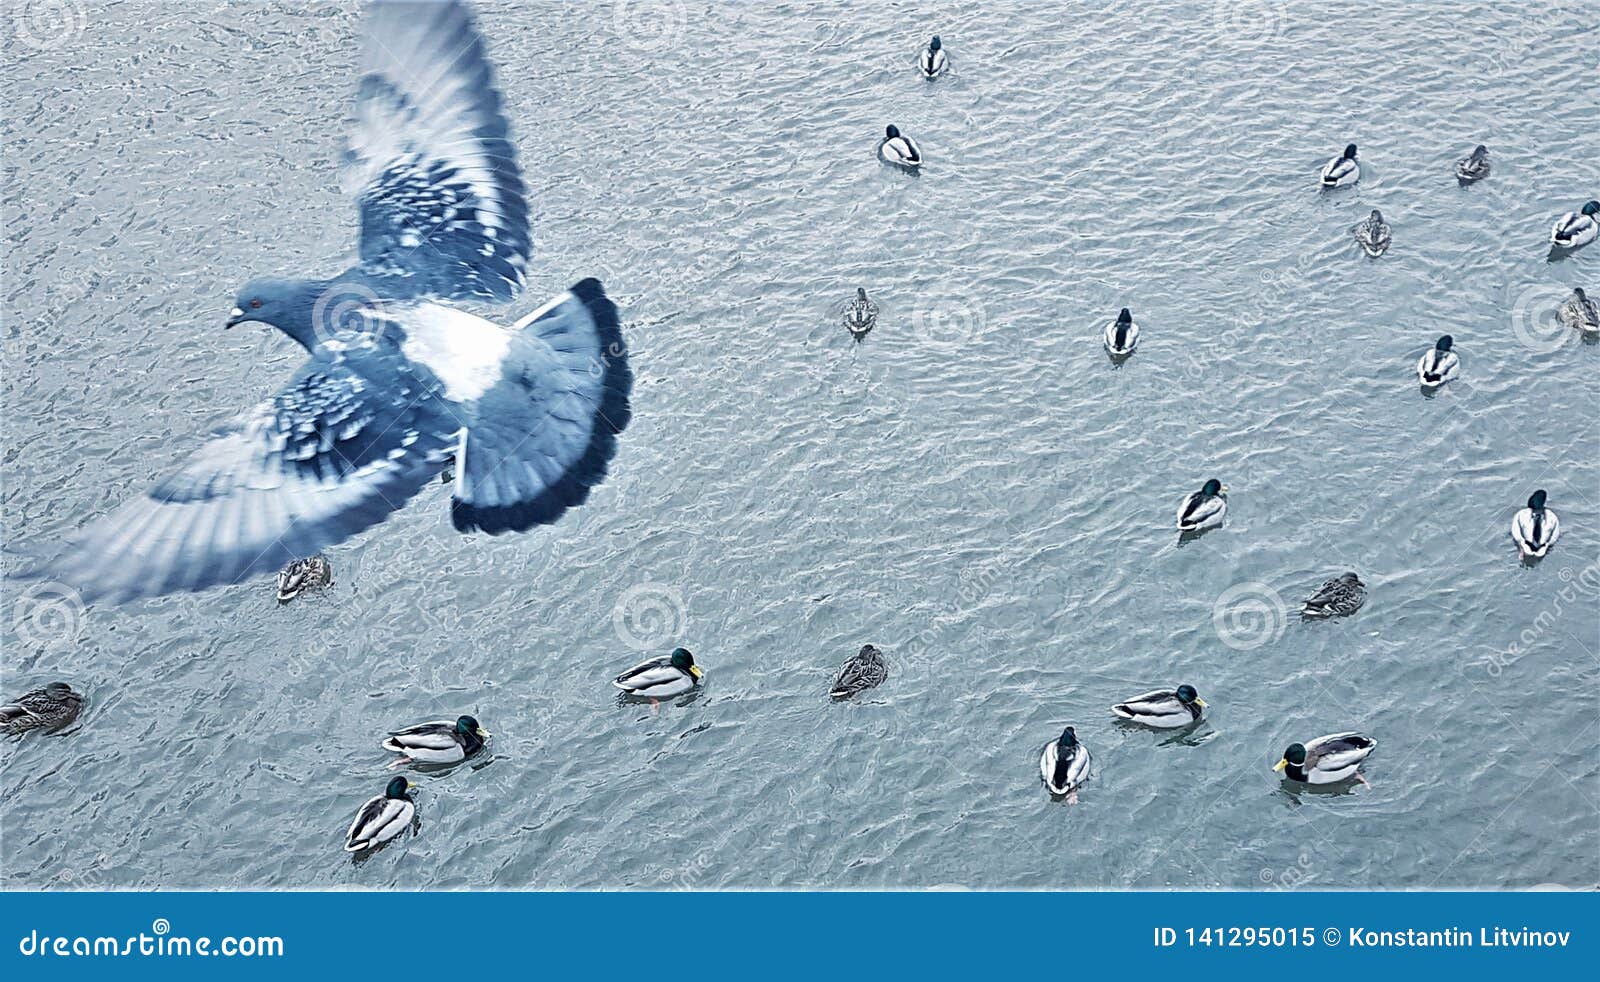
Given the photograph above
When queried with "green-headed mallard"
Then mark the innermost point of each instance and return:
(382, 818)
(1342, 170)
(902, 151)
(1535, 528)
(1577, 228)
(1439, 365)
(863, 670)
(1122, 334)
(1164, 709)
(437, 742)
(303, 576)
(1204, 508)
(661, 678)
(1338, 597)
(49, 708)
(1064, 764)
(1327, 759)
(933, 61)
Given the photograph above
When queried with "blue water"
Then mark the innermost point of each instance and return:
(974, 488)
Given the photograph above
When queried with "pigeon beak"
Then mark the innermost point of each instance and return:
(234, 319)
(1280, 765)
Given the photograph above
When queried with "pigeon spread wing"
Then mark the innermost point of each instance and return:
(544, 434)
(348, 440)
(429, 161)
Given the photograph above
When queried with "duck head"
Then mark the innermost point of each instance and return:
(1069, 739)
(934, 45)
(861, 295)
(397, 788)
(1350, 152)
(1592, 209)
(683, 661)
(891, 131)
(1213, 488)
(1444, 343)
(1126, 317)
(1536, 500)
(59, 690)
(1187, 694)
(467, 724)
(1377, 217)
(1295, 755)
(1577, 291)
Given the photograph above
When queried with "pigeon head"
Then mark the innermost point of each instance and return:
(288, 305)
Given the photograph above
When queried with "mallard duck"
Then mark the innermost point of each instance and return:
(1163, 709)
(1576, 229)
(49, 708)
(438, 742)
(933, 60)
(1342, 170)
(863, 670)
(1535, 528)
(1327, 759)
(303, 575)
(1339, 597)
(1064, 764)
(1204, 508)
(860, 315)
(661, 678)
(1122, 334)
(1373, 234)
(1439, 365)
(1474, 166)
(902, 151)
(382, 818)
(1580, 312)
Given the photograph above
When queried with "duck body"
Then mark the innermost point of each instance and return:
(864, 670)
(1580, 312)
(861, 315)
(1327, 759)
(1374, 234)
(1342, 170)
(440, 741)
(1535, 528)
(1064, 763)
(1577, 228)
(1164, 709)
(661, 678)
(1204, 508)
(1474, 166)
(48, 708)
(1122, 334)
(382, 817)
(1439, 365)
(302, 576)
(900, 150)
(933, 60)
(1338, 597)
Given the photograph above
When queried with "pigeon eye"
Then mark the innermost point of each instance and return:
(255, 305)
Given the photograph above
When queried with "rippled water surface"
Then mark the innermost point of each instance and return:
(975, 488)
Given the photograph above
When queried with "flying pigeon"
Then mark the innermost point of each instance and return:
(396, 382)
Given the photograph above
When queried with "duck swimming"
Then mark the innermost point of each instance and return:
(1204, 508)
(382, 817)
(1474, 166)
(1580, 312)
(863, 670)
(1373, 234)
(902, 151)
(303, 576)
(1339, 597)
(860, 315)
(49, 708)
(438, 742)
(1439, 365)
(1064, 764)
(1327, 759)
(1535, 528)
(1122, 334)
(1576, 229)
(933, 60)
(1342, 170)
(1163, 709)
(661, 678)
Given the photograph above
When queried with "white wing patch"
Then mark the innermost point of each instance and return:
(465, 351)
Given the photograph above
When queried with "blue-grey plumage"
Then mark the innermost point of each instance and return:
(48, 708)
